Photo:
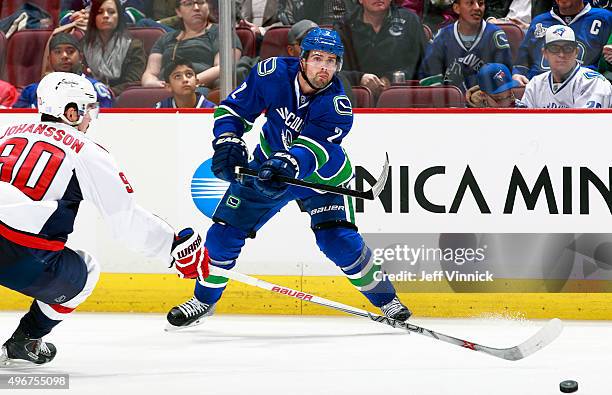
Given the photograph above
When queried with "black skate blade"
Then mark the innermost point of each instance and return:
(172, 328)
(8, 363)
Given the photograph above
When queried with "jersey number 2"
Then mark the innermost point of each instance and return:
(38, 169)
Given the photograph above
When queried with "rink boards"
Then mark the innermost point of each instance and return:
(475, 182)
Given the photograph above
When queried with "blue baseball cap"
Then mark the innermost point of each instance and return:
(494, 78)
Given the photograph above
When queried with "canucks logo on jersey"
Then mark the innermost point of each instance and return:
(309, 125)
(452, 61)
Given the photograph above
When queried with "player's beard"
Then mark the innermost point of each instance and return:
(319, 81)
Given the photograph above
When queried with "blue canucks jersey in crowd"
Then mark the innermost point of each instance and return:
(607, 4)
(310, 127)
(201, 102)
(592, 27)
(449, 60)
(28, 98)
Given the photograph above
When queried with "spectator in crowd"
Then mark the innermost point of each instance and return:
(380, 39)
(78, 11)
(294, 49)
(434, 13)
(181, 80)
(607, 4)
(163, 9)
(494, 89)
(567, 84)
(324, 12)
(519, 12)
(295, 36)
(259, 15)
(160, 14)
(197, 41)
(460, 49)
(591, 25)
(112, 55)
(27, 16)
(64, 55)
(605, 65)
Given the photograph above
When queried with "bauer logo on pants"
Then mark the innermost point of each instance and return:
(206, 189)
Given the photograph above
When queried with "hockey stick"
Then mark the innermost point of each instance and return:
(370, 194)
(539, 340)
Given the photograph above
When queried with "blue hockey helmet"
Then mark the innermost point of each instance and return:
(325, 40)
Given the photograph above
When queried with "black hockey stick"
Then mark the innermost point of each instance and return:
(539, 340)
(370, 194)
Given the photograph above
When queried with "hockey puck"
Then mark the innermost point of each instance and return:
(568, 386)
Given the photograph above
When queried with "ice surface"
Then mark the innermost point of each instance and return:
(231, 354)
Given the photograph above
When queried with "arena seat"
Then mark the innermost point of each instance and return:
(139, 97)
(148, 35)
(515, 37)
(363, 97)
(421, 97)
(214, 95)
(25, 50)
(274, 42)
(248, 41)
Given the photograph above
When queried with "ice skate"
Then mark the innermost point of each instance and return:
(188, 314)
(22, 351)
(396, 310)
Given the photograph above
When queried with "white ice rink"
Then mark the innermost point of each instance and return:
(131, 354)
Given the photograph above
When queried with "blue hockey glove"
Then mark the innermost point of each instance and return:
(230, 151)
(281, 164)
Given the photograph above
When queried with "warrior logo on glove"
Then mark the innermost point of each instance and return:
(190, 256)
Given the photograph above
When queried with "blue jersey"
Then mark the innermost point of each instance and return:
(448, 60)
(592, 27)
(28, 98)
(201, 102)
(310, 127)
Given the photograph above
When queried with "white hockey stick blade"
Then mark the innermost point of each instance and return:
(382, 180)
(539, 340)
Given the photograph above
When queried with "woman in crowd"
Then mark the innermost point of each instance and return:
(197, 41)
(112, 55)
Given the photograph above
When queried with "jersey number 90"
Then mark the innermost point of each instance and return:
(36, 171)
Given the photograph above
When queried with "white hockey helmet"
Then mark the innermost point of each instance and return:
(57, 90)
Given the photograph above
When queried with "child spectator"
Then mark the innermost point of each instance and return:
(181, 79)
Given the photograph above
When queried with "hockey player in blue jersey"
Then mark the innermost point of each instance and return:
(591, 25)
(308, 115)
(459, 50)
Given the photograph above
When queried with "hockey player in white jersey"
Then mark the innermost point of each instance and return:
(47, 168)
(567, 84)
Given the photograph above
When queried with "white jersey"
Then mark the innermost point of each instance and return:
(47, 169)
(584, 88)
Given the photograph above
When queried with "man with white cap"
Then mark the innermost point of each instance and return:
(567, 84)
(591, 25)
